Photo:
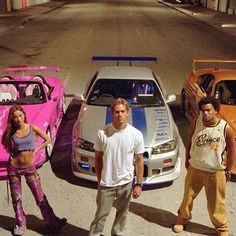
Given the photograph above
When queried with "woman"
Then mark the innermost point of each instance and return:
(19, 140)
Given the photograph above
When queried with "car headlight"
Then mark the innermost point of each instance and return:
(165, 147)
(86, 145)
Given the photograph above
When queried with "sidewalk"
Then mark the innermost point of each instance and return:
(9, 21)
(221, 21)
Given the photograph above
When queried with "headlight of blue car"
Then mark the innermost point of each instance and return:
(86, 145)
(165, 147)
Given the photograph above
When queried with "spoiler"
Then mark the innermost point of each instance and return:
(30, 68)
(124, 59)
(205, 60)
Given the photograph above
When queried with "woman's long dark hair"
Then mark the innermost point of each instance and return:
(11, 128)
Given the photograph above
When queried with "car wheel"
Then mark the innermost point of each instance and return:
(49, 147)
(184, 103)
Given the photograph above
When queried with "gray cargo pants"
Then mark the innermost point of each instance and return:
(119, 197)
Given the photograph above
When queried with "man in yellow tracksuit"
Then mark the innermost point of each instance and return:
(210, 139)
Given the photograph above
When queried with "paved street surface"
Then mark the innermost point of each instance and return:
(219, 20)
(152, 214)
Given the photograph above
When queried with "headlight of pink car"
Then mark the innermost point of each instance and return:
(165, 147)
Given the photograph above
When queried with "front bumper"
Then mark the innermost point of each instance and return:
(161, 168)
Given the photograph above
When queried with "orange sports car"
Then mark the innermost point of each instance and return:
(212, 77)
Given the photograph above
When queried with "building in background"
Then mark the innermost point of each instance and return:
(12, 5)
(2, 6)
(226, 6)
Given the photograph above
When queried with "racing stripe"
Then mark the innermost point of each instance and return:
(139, 120)
(108, 116)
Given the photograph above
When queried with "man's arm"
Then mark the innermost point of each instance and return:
(139, 175)
(98, 164)
(230, 148)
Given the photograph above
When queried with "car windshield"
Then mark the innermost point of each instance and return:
(19, 92)
(136, 92)
(225, 91)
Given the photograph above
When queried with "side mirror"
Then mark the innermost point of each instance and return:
(170, 98)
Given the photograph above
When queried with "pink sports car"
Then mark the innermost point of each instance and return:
(41, 96)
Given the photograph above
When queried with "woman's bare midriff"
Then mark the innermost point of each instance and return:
(23, 158)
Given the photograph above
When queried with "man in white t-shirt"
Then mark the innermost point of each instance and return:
(116, 146)
(210, 140)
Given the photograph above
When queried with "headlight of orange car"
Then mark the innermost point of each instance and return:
(165, 147)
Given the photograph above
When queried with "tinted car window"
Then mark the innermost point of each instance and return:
(205, 82)
(136, 92)
(225, 91)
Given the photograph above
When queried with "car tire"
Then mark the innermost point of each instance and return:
(184, 104)
(63, 108)
(49, 147)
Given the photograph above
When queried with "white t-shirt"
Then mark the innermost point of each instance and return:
(208, 146)
(118, 147)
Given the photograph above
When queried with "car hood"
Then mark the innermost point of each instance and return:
(36, 115)
(227, 112)
(153, 122)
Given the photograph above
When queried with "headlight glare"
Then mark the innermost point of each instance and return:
(86, 145)
(165, 147)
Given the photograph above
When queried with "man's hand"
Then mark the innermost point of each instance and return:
(137, 190)
(228, 175)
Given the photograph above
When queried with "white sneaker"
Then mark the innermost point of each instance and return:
(18, 230)
(178, 228)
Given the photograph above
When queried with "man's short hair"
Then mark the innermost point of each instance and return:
(209, 100)
(119, 101)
